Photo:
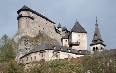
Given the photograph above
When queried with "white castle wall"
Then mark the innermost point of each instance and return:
(47, 56)
(99, 48)
(81, 38)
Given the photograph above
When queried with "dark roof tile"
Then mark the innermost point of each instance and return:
(25, 8)
(78, 28)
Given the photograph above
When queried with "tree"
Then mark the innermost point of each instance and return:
(4, 40)
(7, 53)
(103, 62)
(13, 67)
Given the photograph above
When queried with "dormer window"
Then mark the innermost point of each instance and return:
(54, 47)
(61, 48)
(68, 50)
(79, 51)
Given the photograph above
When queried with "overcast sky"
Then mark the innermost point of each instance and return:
(65, 12)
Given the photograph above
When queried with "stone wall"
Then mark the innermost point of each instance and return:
(31, 28)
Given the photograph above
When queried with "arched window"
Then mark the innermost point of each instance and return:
(93, 48)
(101, 48)
(96, 48)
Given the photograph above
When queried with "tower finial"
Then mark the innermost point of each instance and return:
(96, 19)
(77, 21)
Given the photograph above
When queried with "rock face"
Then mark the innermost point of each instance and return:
(26, 43)
(34, 29)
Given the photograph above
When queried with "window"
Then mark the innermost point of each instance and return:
(79, 51)
(65, 40)
(68, 50)
(96, 48)
(42, 54)
(101, 48)
(56, 54)
(93, 48)
(34, 57)
(31, 58)
(54, 47)
(61, 48)
(43, 28)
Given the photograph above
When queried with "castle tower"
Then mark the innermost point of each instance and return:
(59, 28)
(65, 40)
(23, 17)
(97, 42)
(78, 37)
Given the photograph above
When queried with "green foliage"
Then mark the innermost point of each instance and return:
(4, 40)
(7, 53)
(103, 62)
(13, 67)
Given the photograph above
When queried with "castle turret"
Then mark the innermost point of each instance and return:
(59, 28)
(97, 42)
(24, 17)
(78, 37)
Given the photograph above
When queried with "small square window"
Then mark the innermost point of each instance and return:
(34, 57)
(31, 58)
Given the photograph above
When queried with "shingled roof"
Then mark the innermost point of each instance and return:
(78, 28)
(43, 47)
(97, 39)
(25, 8)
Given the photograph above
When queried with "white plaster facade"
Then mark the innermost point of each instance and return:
(47, 55)
(81, 38)
(97, 48)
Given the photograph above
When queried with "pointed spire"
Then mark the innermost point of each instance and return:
(77, 21)
(96, 21)
(64, 28)
(59, 26)
(97, 36)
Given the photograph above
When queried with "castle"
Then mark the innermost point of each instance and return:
(65, 44)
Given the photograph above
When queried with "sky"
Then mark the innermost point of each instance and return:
(65, 12)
